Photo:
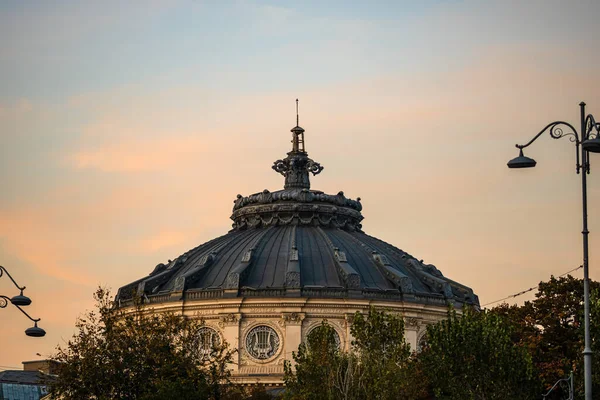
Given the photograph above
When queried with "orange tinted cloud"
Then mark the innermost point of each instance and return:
(162, 240)
(139, 155)
(37, 241)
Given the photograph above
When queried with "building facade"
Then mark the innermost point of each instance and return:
(30, 383)
(295, 258)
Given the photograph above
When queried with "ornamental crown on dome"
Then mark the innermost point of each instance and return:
(296, 166)
(296, 204)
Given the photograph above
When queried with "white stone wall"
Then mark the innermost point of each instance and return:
(291, 319)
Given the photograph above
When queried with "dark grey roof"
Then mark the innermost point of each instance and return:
(22, 377)
(297, 242)
(296, 260)
(22, 385)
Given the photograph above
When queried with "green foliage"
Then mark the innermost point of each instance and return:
(378, 366)
(510, 352)
(257, 392)
(552, 328)
(135, 354)
(254, 392)
(595, 337)
(473, 356)
(384, 357)
(317, 365)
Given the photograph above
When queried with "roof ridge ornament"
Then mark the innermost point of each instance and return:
(296, 166)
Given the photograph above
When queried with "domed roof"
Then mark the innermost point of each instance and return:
(297, 242)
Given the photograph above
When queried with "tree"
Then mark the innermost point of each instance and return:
(137, 354)
(378, 366)
(387, 368)
(595, 336)
(551, 327)
(317, 363)
(473, 356)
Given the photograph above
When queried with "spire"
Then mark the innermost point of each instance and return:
(297, 135)
(296, 166)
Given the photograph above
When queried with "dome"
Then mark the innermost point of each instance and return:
(298, 242)
(293, 258)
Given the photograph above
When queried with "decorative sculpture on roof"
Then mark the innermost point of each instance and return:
(296, 204)
(296, 166)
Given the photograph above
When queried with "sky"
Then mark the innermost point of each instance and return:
(128, 128)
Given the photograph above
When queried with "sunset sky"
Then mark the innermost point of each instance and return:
(128, 127)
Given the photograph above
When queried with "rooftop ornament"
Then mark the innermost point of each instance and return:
(590, 143)
(296, 166)
(19, 301)
(297, 204)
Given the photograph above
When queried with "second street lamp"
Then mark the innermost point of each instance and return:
(521, 161)
(19, 301)
(589, 140)
(34, 331)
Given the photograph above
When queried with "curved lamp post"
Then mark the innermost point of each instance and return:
(590, 142)
(19, 301)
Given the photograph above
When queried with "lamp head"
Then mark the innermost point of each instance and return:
(592, 145)
(21, 300)
(35, 331)
(521, 161)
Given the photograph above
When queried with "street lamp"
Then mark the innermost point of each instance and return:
(19, 301)
(590, 142)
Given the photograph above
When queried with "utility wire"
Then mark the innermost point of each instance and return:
(7, 367)
(528, 290)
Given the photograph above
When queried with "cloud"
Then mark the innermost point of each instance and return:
(15, 109)
(139, 155)
(63, 25)
(28, 235)
(163, 240)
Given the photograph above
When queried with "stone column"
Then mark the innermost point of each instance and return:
(292, 323)
(230, 324)
(411, 329)
(347, 324)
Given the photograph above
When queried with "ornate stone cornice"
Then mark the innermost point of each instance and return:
(315, 214)
(296, 196)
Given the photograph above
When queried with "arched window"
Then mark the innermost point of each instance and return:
(336, 335)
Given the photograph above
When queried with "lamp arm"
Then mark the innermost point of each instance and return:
(4, 300)
(2, 270)
(556, 384)
(556, 132)
(590, 123)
